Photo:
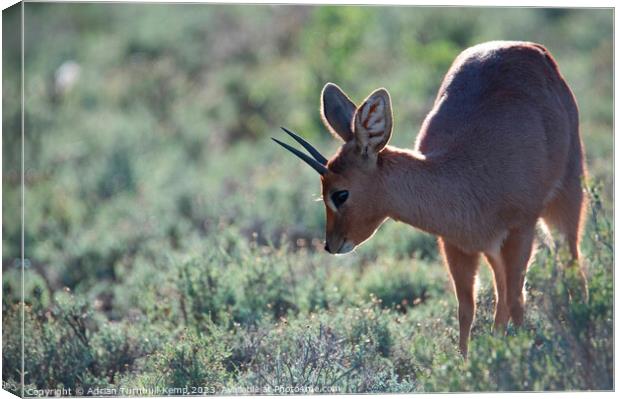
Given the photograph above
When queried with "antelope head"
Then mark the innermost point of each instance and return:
(351, 180)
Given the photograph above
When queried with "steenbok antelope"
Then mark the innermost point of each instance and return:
(499, 150)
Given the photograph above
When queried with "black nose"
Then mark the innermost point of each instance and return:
(327, 247)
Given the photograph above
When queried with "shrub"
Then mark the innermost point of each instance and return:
(330, 352)
(191, 363)
(401, 284)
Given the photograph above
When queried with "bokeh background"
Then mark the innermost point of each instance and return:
(170, 243)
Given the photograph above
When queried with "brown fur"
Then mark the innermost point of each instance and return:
(499, 150)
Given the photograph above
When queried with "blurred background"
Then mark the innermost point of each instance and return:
(159, 212)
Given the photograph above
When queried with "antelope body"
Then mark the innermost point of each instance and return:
(499, 150)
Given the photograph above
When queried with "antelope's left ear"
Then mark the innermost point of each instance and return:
(372, 123)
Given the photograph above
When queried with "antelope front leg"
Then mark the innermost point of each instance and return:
(463, 269)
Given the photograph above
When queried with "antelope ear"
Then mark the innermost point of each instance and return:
(372, 123)
(337, 112)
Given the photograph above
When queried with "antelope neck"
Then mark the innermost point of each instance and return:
(424, 192)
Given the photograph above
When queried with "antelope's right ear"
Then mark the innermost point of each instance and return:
(373, 123)
(337, 112)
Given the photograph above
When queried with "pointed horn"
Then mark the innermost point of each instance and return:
(313, 151)
(310, 161)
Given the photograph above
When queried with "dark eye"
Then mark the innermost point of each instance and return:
(339, 197)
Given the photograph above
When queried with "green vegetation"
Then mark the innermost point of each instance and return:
(170, 244)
